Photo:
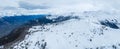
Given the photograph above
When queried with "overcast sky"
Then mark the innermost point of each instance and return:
(61, 4)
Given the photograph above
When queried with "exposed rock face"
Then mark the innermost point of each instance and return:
(110, 24)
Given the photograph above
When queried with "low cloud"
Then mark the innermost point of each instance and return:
(30, 6)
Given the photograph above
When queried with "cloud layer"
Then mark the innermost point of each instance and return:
(60, 5)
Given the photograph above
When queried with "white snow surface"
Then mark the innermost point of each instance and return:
(85, 33)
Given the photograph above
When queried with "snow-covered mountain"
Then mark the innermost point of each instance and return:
(60, 24)
(86, 30)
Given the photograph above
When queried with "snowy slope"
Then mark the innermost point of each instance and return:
(94, 30)
(71, 24)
